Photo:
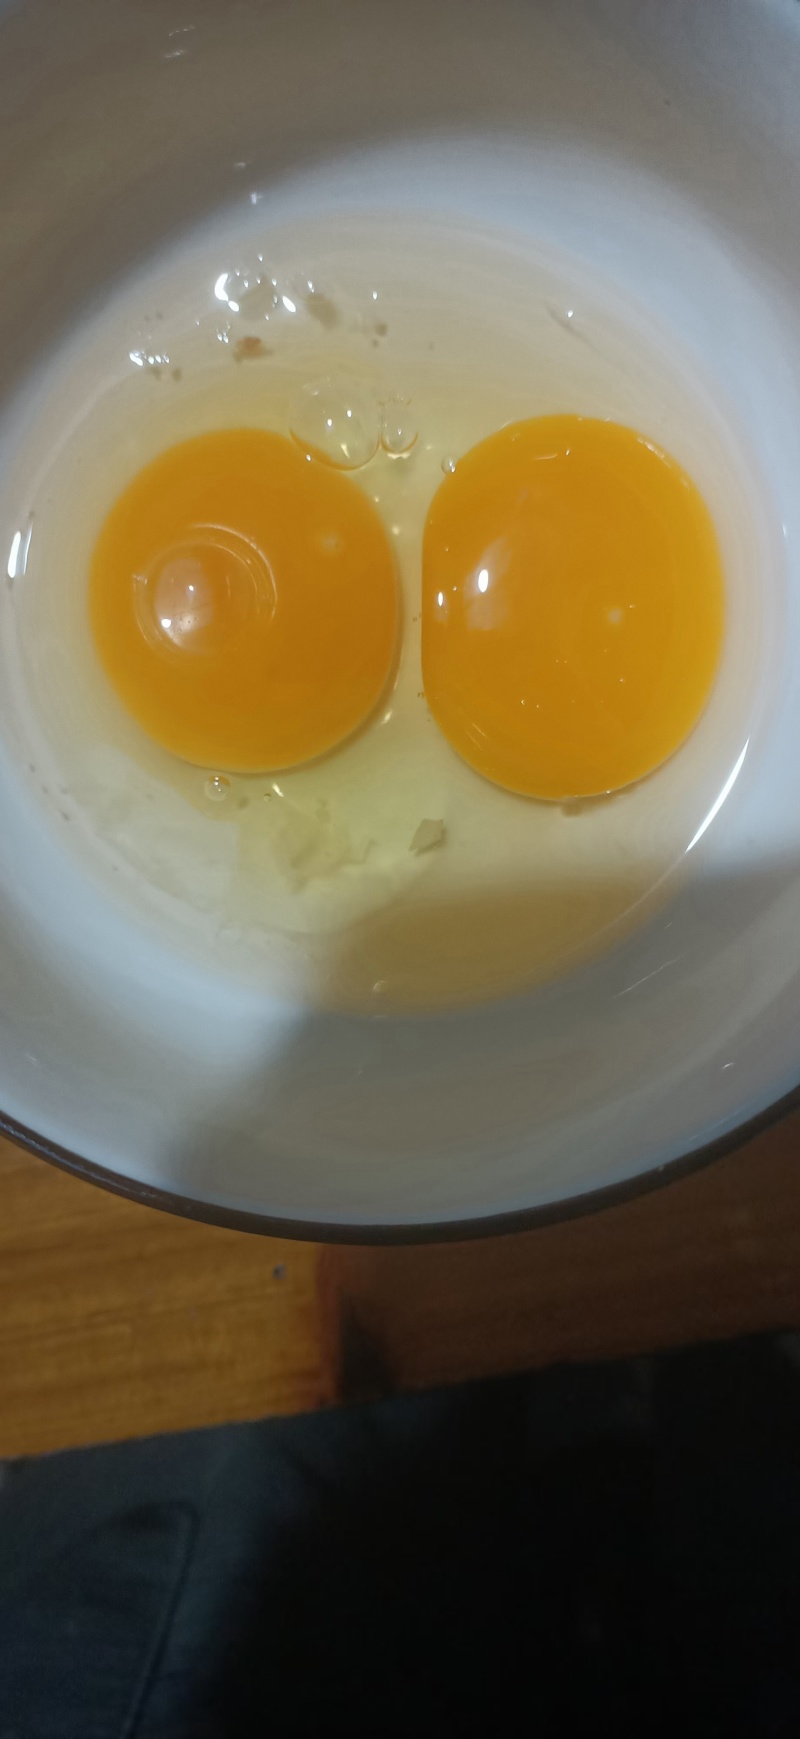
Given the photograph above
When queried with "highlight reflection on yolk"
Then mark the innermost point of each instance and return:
(244, 602)
(573, 607)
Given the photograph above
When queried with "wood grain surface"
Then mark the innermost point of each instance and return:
(118, 1321)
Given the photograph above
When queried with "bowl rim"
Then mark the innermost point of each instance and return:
(589, 1202)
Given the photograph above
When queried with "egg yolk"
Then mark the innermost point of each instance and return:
(244, 602)
(572, 608)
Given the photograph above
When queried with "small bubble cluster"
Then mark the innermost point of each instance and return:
(152, 360)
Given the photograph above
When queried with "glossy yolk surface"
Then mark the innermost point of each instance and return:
(244, 602)
(573, 607)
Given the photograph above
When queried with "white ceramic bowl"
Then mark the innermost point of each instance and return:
(677, 132)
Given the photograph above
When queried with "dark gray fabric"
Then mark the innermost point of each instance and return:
(82, 1637)
(608, 1550)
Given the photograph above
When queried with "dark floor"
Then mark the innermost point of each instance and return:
(611, 1550)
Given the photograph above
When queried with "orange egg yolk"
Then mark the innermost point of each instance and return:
(244, 602)
(572, 607)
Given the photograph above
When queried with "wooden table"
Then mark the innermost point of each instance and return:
(117, 1321)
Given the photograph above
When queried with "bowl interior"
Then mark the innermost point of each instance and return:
(661, 147)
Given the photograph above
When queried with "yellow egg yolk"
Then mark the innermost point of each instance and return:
(244, 602)
(572, 607)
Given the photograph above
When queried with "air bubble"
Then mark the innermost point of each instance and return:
(152, 361)
(258, 297)
(249, 293)
(399, 432)
(216, 788)
(254, 295)
(335, 423)
(448, 465)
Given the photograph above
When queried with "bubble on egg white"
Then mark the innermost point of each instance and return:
(252, 294)
(258, 298)
(150, 361)
(448, 466)
(216, 788)
(399, 432)
(337, 423)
